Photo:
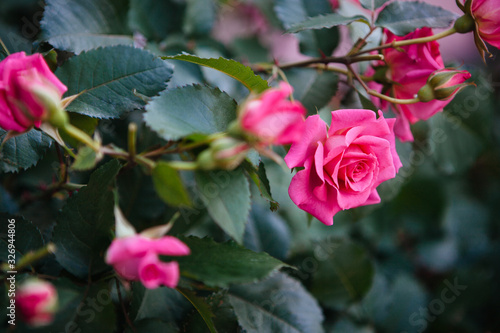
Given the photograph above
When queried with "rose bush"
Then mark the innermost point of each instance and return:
(36, 301)
(22, 78)
(343, 165)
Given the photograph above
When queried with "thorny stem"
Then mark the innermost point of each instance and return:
(400, 43)
(346, 60)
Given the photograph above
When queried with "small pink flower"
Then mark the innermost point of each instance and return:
(409, 67)
(343, 165)
(272, 119)
(487, 15)
(36, 302)
(135, 258)
(21, 77)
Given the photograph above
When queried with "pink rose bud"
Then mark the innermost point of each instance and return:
(224, 153)
(272, 119)
(28, 91)
(343, 165)
(135, 258)
(36, 302)
(443, 85)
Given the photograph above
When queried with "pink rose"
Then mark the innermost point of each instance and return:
(36, 302)
(273, 118)
(21, 78)
(487, 15)
(135, 258)
(343, 165)
(409, 67)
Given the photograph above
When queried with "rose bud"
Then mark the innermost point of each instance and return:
(224, 153)
(443, 85)
(272, 119)
(29, 92)
(343, 164)
(36, 301)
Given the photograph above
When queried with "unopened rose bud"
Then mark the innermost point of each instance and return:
(36, 301)
(224, 153)
(28, 92)
(272, 118)
(443, 84)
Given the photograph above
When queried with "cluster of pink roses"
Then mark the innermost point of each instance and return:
(407, 69)
(343, 165)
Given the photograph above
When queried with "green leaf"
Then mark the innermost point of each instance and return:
(259, 177)
(313, 43)
(372, 4)
(86, 159)
(226, 194)
(180, 112)
(229, 67)
(26, 238)
(313, 89)
(169, 186)
(155, 19)
(139, 200)
(277, 304)
(200, 17)
(153, 325)
(224, 264)
(267, 232)
(390, 305)
(83, 226)
(455, 148)
(107, 79)
(203, 308)
(366, 103)
(161, 303)
(402, 17)
(77, 26)
(325, 21)
(23, 151)
(344, 274)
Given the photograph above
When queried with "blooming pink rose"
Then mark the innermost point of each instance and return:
(409, 67)
(487, 15)
(20, 76)
(343, 165)
(273, 118)
(135, 258)
(36, 302)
